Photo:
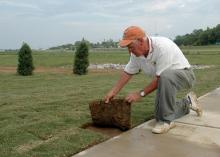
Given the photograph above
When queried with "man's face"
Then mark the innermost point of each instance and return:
(137, 47)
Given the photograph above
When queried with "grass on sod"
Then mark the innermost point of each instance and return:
(41, 115)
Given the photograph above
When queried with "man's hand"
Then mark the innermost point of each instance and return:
(118, 86)
(109, 96)
(132, 97)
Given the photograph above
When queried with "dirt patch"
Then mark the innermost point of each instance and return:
(116, 113)
(56, 70)
(108, 131)
(8, 69)
(38, 70)
(100, 68)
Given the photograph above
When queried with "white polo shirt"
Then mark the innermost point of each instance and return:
(163, 54)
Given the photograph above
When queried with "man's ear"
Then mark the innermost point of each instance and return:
(141, 40)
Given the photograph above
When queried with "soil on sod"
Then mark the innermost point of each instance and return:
(116, 113)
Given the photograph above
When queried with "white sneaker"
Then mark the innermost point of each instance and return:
(194, 104)
(163, 127)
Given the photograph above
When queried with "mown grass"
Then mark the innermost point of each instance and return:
(42, 115)
(54, 106)
(196, 55)
(65, 59)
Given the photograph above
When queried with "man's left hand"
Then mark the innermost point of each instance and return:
(132, 97)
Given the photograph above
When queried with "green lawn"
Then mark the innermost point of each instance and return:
(42, 115)
(65, 59)
(196, 55)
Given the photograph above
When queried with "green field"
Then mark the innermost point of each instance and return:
(196, 55)
(42, 115)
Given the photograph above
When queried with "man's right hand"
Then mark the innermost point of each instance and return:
(118, 86)
(109, 96)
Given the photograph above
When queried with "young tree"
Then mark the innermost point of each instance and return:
(25, 61)
(81, 61)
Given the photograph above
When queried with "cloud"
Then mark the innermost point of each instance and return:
(69, 20)
(114, 3)
(18, 5)
(159, 5)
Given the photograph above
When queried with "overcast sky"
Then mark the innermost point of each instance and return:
(46, 23)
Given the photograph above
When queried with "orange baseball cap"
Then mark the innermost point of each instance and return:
(130, 34)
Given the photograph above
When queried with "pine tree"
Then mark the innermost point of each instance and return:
(25, 61)
(81, 61)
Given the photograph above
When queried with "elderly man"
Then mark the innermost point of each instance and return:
(161, 58)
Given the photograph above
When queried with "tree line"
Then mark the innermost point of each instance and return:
(199, 37)
(104, 44)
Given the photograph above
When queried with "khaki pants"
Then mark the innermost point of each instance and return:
(167, 108)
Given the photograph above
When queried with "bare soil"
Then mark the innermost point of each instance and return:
(37, 70)
(108, 131)
(56, 70)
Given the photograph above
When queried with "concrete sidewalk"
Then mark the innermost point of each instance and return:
(193, 136)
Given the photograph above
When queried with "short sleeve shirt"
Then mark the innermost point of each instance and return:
(163, 54)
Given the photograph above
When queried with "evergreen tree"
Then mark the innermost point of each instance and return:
(81, 61)
(25, 61)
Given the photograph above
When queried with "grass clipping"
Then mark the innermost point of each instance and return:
(116, 113)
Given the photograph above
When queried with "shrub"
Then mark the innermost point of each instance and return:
(81, 61)
(25, 61)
